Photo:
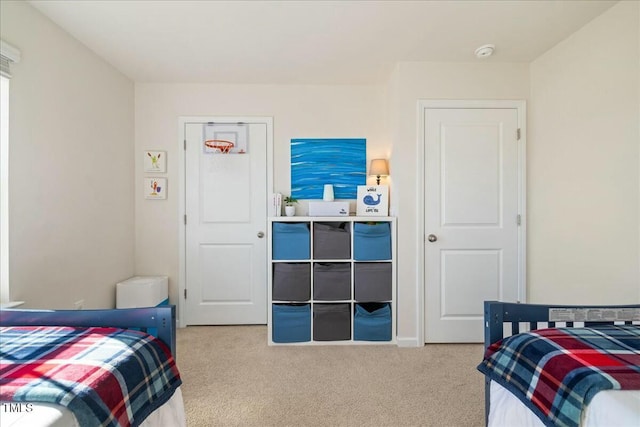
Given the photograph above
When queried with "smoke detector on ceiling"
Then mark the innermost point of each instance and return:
(485, 51)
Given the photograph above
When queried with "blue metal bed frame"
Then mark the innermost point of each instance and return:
(498, 314)
(162, 319)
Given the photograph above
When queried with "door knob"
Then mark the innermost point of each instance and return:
(432, 237)
(260, 234)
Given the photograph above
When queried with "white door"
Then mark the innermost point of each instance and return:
(226, 220)
(471, 218)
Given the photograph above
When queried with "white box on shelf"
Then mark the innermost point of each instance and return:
(328, 208)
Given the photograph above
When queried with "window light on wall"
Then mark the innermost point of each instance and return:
(8, 55)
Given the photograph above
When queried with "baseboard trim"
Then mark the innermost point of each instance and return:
(11, 304)
(409, 342)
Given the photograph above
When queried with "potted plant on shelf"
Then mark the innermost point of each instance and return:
(289, 208)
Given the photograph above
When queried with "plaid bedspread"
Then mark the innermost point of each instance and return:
(555, 372)
(105, 376)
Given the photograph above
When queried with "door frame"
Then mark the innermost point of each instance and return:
(423, 105)
(182, 185)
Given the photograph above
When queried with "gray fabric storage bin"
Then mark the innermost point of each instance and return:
(332, 281)
(331, 322)
(331, 240)
(373, 281)
(291, 281)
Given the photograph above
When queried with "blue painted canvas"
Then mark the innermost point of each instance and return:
(316, 162)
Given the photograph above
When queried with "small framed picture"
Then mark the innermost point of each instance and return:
(155, 161)
(155, 188)
(373, 200)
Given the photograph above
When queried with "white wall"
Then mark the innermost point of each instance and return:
(410, 83)
(311, 111)
(583, 165)
(71, 167)
(297, 111)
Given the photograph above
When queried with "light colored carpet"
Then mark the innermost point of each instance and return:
(231, 377)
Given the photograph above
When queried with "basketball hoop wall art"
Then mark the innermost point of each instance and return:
(155, 188)
(225, 138)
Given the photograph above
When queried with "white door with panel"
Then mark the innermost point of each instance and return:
(471, 217)
(226, 220)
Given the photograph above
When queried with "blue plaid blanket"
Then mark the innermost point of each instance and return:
(105, 376)
(557, 371)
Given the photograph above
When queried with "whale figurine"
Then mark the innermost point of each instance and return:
(369, 200)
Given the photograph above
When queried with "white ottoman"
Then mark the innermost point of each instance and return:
(142, 291)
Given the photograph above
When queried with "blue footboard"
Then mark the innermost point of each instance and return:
(503, 319)
(162, 319)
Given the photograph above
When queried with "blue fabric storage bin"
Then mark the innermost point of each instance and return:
(371, 242)
(291, 323)
(372, 322)
(291, 240)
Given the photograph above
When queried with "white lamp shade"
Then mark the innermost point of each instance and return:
(379, 167)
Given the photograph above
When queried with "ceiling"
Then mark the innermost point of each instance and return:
(309, 42)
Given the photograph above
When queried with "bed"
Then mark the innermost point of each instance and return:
(89, 367)
(561, 365)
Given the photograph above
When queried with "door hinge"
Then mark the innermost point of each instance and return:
(519, 219)
(185, 293)
(185, 145)
(185, 219)
(518, 134)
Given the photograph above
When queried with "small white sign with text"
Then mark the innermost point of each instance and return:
(373, 200)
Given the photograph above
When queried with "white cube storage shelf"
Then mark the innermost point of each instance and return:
(332, 280)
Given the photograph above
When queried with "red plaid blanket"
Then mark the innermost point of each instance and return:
(105, 376)
(555, 372)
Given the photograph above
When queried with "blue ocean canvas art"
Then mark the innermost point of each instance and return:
(337, 161)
